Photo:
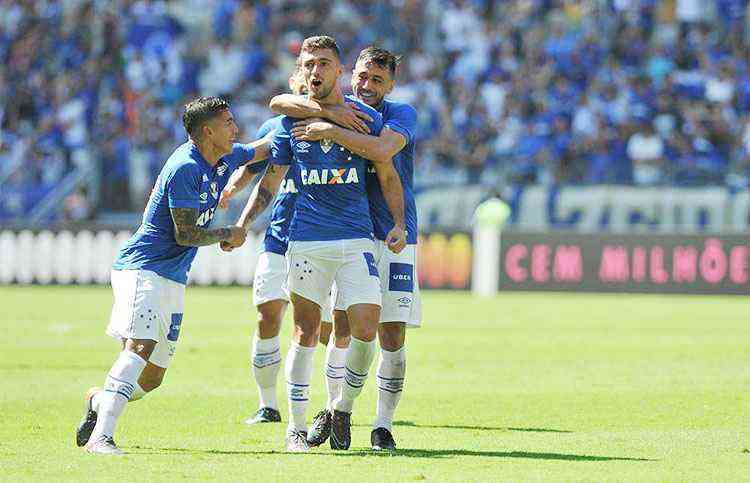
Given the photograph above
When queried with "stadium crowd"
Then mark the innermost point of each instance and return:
(640, 92)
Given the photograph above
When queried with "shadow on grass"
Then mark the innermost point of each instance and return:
(408, 453)
(480, 428)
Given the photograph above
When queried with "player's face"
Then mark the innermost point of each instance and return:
(371, 83)
(321, 70)
(222, 131)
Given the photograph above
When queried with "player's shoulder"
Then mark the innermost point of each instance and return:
(394, 108)
(269, 125)
(184, 161)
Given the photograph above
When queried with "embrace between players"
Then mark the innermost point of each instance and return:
(341, 246)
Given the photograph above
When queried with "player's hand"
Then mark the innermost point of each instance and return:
(237, 239)
(349, 116)
(312, 129)
(226, 193)
(396, 239)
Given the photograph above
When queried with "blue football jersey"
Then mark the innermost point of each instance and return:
(332, 201)
(185, 181)
(277, 233)
(401, 118)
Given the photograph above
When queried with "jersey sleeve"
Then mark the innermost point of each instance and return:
(403, 120)
(241, 154)
(281, 148)
(183, 188)
(376, 126)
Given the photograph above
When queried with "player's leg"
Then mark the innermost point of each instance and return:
(265, 356)
(147, 315)
(310, 279)
(271, 298)
(359, 287)
(401, 307)
(298, 370)
(336, 356)
(337, 344)
(118, 388)
(326, 329)
(390, 379)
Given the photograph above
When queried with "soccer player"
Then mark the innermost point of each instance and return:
(372, 79)
(330, 240)
(151, 269)
(270, 294)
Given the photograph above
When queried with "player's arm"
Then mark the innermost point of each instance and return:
(187, 233)
(237, 182)
(264, 192)
(301, 107)
(378, 149)
(393, 192)
(262, 150)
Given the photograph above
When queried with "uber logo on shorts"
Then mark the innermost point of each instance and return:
(174, 327)
(401, 278)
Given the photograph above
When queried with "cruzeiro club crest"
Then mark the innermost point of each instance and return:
(326, 145)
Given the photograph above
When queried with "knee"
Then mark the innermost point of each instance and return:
(341, 325)
(150, 382)
(392, 335)
(306, 333)
(141, 347)
(269, 321)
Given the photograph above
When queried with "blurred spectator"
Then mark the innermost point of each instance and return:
(646, 151)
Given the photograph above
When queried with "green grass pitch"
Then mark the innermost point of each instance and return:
(519, 387)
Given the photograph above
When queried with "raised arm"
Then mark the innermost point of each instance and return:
(187, 232)
(301, 107)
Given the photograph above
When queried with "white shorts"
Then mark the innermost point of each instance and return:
(315, 265)
(399, 285)
(147, 306)
(270, 279)
(270, 282)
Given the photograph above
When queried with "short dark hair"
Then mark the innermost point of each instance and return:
(381, 57)
(321, 42)
(200, 110)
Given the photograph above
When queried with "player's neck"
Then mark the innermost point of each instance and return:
(209, 152)
(334, 98)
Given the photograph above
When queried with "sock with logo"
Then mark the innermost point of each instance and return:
(266, 360)
(358, 361)
(390, 377)
(118, 388)
(298, 371)
(335, 359)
